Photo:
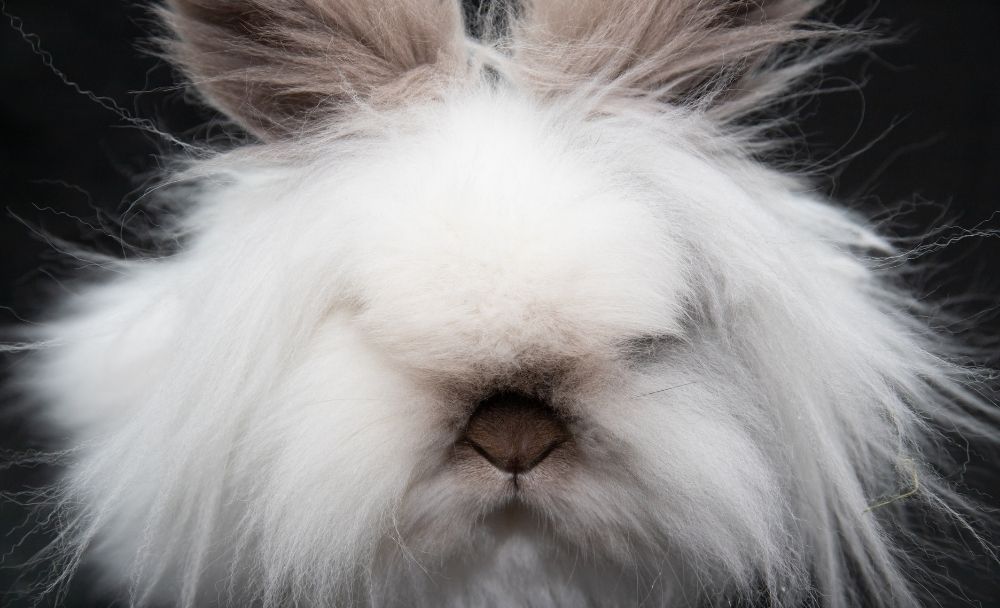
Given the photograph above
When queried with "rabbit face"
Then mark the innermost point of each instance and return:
(534, 349)
(514, 322)
(511, 364)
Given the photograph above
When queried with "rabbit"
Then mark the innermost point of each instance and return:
(526, 319)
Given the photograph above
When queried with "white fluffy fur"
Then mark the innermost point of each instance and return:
(266, 416)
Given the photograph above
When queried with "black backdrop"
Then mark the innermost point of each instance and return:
(924, 130)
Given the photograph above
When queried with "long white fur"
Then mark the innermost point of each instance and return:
(266, 416)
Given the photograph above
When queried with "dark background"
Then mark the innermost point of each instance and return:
(915, 126)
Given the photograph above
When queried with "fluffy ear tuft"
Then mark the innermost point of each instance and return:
(704, 51)
(271, 65)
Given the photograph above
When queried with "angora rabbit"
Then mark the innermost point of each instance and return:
(512, 321)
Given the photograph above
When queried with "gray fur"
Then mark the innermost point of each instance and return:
(709, 52)
(272, 64)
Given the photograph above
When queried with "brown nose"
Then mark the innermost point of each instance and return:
(514, 432)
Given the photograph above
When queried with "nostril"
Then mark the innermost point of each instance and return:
(514, 432)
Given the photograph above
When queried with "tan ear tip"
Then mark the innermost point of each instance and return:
(275, 67)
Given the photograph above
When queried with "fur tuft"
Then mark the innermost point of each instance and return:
(275, 65)
(715, 53)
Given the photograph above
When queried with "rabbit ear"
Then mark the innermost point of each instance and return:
(666, 49)
(274, 65)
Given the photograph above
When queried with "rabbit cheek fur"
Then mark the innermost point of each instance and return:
(276, 413)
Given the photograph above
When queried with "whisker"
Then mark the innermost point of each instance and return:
(663, 390)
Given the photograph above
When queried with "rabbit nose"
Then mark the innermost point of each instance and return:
(514, 432)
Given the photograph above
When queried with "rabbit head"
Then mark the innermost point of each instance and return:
(501, 322)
